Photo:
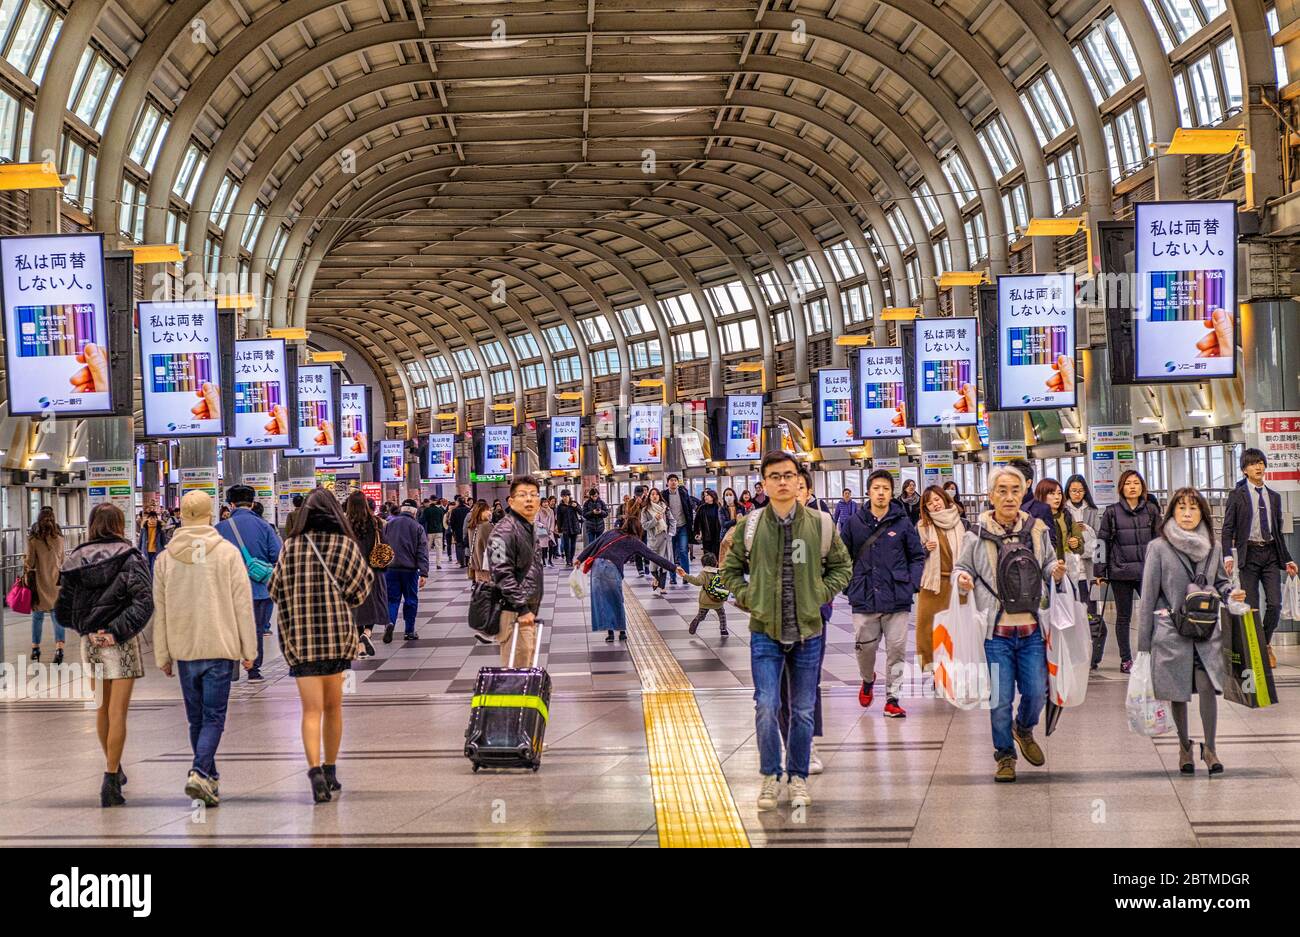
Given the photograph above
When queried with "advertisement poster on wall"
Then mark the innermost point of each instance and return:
(55, 324)
(645, 434)
(936, 468)
(1277, 435)
(744, 428)
(564, 443)
(354, 423)
(263, 485)
(1036, 341)
(947, 369)
(1110, 454)
(497, 449)
(882, 411)
(262, 395)
(201, 479)
(180, 369)
(110, 483)
(392, 460)
(833, 423)
(441, 466)
(1185, 302)
(1002, 451)
(893, 465)
(285, 491)
(316, 419)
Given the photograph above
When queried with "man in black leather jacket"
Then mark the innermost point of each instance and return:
(516, 566)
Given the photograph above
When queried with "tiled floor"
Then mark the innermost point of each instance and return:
(921, 781)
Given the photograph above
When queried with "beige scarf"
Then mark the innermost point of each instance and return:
(949, 522)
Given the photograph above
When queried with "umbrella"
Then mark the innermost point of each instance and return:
(1053, 716)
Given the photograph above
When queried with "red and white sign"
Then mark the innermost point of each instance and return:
(374, 491)
(1279, 438)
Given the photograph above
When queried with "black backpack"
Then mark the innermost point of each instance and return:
(1020, 576)
(1199, 615)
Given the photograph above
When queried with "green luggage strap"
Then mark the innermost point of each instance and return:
(511, 700)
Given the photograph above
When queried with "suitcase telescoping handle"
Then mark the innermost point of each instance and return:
(537, 642)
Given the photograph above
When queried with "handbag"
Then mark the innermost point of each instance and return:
(258, 570)
(19, 598)
(381, 554)
(485, 608)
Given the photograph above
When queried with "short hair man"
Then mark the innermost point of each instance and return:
(408, 570)
(682, 507)
(246, 530)
(516, 567)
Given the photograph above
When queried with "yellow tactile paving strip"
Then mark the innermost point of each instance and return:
(693, 803)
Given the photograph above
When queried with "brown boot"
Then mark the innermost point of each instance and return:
(1185, 763)
(1211, 760)
(1006, 769)
(1028, 747)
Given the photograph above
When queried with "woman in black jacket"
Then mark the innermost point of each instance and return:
(106, 596)
(368, 530)
(1127, 527)
(708, 522)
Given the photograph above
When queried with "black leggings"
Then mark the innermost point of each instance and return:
(1124, 592)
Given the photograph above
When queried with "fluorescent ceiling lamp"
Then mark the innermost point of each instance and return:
(677, 77)
(80, 458)
(492, 43)
(1149, 420)
(38, 456)
(1200, 413)
(666, 110)
(688, 38)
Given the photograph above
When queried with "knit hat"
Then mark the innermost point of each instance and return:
(196, 509)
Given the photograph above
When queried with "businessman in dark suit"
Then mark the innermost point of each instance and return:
(1252, 525)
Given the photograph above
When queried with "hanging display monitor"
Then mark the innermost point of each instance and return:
(946, 368)
(1036, 366)
(264, 400)
(180, 369)
(563, 447)
(645, 429)
(881, 391)
(833, 422)
(56, 325)
(440, 465)
(497, 441)
(354, 424)
(743, 436)
(318, 409)
(392, 460)
(1185, 305)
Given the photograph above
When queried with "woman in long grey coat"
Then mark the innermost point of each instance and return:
(1180, 665)
(659, 529)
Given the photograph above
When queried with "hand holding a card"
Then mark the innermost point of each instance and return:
(209, 405)
(967, 402)
(1220, 342)
(278, 425)
(93, 378)
(1062, 379)
(326, 435)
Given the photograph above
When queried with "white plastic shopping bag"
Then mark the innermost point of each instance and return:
(1146, 714)
(1291, 598)
(1069, 648)
(579, 583)
(961, 672)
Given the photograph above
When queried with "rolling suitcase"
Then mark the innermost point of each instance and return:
(508, 714)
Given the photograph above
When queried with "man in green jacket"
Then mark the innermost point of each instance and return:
(783, 571)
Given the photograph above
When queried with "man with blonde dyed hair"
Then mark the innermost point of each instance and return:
(1006, 560)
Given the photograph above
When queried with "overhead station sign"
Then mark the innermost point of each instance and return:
(882, 409)
(833, 422)
(1036, 366)
(946, 369)
(1185, 304)
(180, 364)
(55, 324)
(262, 395)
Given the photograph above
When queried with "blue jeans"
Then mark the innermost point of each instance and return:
(205, 685)
(681, 552)
(403, 584)
(769, 660)
(1016, 662)
(38, 626)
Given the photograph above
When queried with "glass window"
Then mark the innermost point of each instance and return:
(928, 206)
(817, 313)
(128, 203)
(415, 373)
(844, 258)
(1205, 91)
(680, 309)
(740, 336)
(1063, 174)
(8, 15)
(781, 327)
(1213, 8)
(1089, 75)
(1183, 16)
(93, 90)
(740, 298)
(914, 277)
(9, 113)
(1126, 58)
(567, 369)
(997, 146)
(857, 304)
(1279, 57)
(277, 246)
(557, 338)
(977, 242)
(1158, 18)
(156, 146)
(1034, 119)
(1185, 116)
(636, 320)
(1016, 208)
(1051, 110)
(144, 133)
(446, 394)
(26, 41)
(188, 163)
(51, 37)
(1130, 142)
(465, 360)
(646, 354)
(493, 352)
(525, 346)
(1227, 52)
(106, 101)
(902, 236)
(253, 225)
(473, 386)
(439, 365)
(596, 328)
(422, 397)
(943, 255)
(689, 345)
(954, 169)
(534, 376)
(503, 382)
(771, 287)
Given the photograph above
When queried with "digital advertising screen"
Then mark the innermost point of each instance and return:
(1036, 365)
(833, 419)
(496, 449)
(56, 324)
(946, 369)
(882, 410)
(744, 428)
(1185, 301)
(262, 395)
(564, 443)
(441, 465)
(392, 460)
(180, 369)
(645, 429)
(317, 420)
(354, 425)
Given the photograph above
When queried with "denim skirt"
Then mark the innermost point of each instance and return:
(607, 610)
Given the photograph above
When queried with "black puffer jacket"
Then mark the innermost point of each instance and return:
(105, 586)
(515, 563)
(1125, 532)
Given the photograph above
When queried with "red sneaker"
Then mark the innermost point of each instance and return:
(893, 710)
(866, 694)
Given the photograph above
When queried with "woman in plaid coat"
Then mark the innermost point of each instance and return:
(320, 577)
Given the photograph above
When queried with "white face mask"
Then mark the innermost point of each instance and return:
(730, 498)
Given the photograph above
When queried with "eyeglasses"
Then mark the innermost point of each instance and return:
(781, 476)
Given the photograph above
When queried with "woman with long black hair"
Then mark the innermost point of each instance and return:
(1127, 527)
(368, 531)
(1078, 501)
(708, 522)
(320, 578)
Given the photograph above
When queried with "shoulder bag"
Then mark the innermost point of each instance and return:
(258, 570)
(381, 554)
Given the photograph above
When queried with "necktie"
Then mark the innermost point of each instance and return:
(1265, 532)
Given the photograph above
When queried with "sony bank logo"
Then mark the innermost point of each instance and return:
(76, 890)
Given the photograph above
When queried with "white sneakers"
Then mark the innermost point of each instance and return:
(815, 765)
(799, 796)
(769, 792)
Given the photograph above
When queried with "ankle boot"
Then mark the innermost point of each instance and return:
(1211, 760)
(121, 776)
(36, 654)
(58, 655)
(320, 788)
(331, 778)
(110, 792)
(1185, 763)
